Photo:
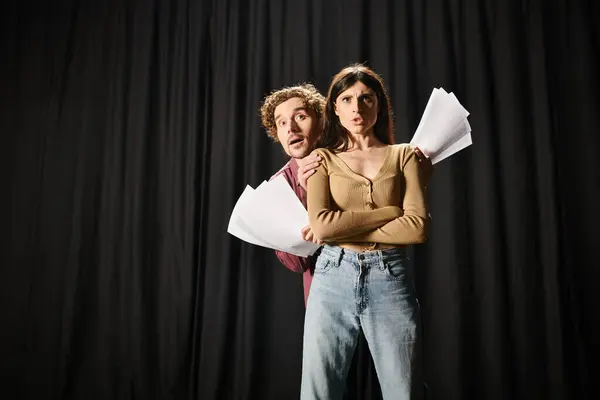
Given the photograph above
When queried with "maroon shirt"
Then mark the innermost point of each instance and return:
(294, 263)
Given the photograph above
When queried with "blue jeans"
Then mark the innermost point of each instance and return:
(351, 291)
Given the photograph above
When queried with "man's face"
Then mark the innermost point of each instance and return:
(297, 127)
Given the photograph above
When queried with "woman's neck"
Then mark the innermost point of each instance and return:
(364, 141)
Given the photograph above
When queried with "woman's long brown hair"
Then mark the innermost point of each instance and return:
(335, 136)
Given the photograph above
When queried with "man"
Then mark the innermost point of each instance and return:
(292, 117)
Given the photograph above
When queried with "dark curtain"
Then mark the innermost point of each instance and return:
(129, 129)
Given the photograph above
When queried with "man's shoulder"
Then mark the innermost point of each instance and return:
(286, 171)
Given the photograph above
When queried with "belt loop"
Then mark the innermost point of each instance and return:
(381, 263)
(340, 256)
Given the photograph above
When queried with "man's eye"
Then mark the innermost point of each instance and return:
(300, 117)
(281, 123)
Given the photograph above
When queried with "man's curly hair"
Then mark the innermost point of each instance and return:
(313, 100)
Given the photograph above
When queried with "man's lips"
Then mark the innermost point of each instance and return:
(295, 140)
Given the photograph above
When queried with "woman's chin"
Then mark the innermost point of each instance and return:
(358, 130)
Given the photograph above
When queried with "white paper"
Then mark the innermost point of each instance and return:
(272, 216)
(462, 143)
(237, 227)
(444, 129)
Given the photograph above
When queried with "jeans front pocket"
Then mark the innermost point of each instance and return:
(323, 264)
(395, 267)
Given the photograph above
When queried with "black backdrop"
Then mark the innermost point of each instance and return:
(129, 128)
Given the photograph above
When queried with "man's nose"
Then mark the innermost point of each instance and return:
(293, 126)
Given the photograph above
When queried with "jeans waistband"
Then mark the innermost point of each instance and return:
(339, 253)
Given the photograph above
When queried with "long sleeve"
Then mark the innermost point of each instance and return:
(411, 227)
(292, 262)
(333, 225)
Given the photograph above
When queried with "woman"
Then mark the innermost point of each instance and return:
(366, 201)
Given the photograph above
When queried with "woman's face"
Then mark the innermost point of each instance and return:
(357, 108)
